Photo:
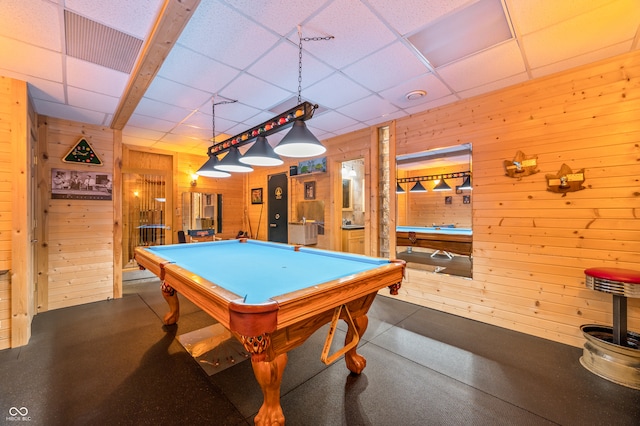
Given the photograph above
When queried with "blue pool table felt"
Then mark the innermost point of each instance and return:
(257, 271)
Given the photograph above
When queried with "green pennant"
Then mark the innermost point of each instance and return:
(82, 153)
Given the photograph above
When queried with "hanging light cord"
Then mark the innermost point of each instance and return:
(213, 115)
(300, 57)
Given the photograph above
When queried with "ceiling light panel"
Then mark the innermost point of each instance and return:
(462, 33)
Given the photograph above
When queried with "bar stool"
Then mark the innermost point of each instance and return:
(613, 352)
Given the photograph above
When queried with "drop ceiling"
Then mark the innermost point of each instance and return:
(247, 51)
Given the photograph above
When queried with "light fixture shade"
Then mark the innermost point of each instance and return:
(208, 169)
(261, 154)
(418, 188)
(399, 189)
(442, 186)
(231, 163)
(466, 184)
(299, 142)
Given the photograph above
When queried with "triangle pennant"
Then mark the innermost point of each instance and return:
(82, 153)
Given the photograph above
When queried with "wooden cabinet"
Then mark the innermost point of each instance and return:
(353, 240)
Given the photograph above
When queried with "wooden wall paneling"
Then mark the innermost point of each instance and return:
(6, 200)
(43, 185)
(79, 233)
(117, 214)
(531, 246)
(22, 285)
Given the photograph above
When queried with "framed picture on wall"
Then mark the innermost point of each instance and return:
(310, 190)
(256, 196)
(448, 199)
(466, 199)
(81, 185)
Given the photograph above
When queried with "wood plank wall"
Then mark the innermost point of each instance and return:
(531, 245)
(79, 234)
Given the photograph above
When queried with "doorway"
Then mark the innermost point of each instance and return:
(278, 208)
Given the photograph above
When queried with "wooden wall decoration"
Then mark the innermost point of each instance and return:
(565, 180)
(82, 153)
(521, 166)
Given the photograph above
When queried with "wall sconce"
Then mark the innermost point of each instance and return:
(521, 165)
(565, 180)
(194, 179)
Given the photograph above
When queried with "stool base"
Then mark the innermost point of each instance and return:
(616, 363)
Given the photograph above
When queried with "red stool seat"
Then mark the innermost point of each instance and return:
(621, 283)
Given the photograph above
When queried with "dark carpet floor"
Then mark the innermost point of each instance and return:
(113, 363)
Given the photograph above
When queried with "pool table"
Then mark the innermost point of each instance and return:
(445, 239)
(272, 297)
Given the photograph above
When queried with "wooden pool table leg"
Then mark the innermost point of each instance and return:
(171, 297)
(269, 377)
(356, 362)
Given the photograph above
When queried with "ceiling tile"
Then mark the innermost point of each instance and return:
(216, 21)
(95, 78)
(494, 85)
(30, 60)
(132, 17)
(357, 32)
(164, 111)
(91, 100)
(335, 91)
(280, 18)
(280, 67)
(67, 112)
(331, 121)
(494, 64)
(177, 94)
(582, 34)
(146, 122)
(429, 83)
(42, 89)
(369, 108)
(533, 15)
(587, 58)
(380, 70)
(196, 70)
(256, 92)
(411, 15)
(18, 19)
(141, 133)
(465, 33)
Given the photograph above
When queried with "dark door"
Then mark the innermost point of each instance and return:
(277, 201)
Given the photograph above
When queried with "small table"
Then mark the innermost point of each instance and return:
(272, 297)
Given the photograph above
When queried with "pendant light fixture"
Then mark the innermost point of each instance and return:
(300, 142)
(261, 154)
(418, 188)
(399, 189)
(442, 186)
(208, 168)
(231, 162)
(466, 184)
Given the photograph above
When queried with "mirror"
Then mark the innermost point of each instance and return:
(353, 192)
(201, 211)
(434, 227)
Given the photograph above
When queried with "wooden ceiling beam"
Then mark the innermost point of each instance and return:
(171, 20)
